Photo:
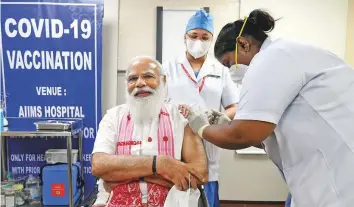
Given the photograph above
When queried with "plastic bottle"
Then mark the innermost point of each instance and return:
(32, 184)
(2, 199)
(2, 124)
(9, 196)
(19, 197)
(5, 185)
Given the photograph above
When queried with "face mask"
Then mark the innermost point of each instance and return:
(237, 74)
(176, 198)
(197, 48)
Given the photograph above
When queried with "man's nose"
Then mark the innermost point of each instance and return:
(140, 83)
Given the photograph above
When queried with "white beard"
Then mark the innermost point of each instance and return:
(145, 109)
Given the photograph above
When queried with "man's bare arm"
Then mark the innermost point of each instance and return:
(121, 167)
(155, 179)
(126, 168)
(193, 152)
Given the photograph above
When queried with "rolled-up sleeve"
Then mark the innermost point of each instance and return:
(230, 94)
(106, 135)
(271, 83)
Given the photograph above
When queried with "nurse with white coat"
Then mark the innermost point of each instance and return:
(196, 80)
(237, 75)
(299, 95)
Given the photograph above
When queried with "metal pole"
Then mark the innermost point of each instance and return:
(70, 173)
(81, 163)
(3, 164)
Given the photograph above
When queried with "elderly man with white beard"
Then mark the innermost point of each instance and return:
(146, 146)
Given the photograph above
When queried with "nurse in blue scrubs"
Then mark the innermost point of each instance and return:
(288, 201)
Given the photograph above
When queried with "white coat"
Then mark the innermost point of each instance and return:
(308, 93)
(217, 91)
(270, 145)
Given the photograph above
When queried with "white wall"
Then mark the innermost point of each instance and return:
(174, 27)
(319, 22)
(250, 178)
(349, 55)
(109, 54)
(137, 28)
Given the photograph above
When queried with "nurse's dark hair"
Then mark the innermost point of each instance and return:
(258, 24)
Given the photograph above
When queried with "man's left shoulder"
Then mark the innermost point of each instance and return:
(172, 108)
(175, 114)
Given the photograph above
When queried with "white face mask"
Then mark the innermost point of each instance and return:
(197, 48)
(237, 74)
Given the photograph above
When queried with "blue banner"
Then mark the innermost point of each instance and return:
(51, 68)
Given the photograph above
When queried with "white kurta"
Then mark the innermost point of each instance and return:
(106, 139)
(308, 93)
(102, 195)
(218, 91)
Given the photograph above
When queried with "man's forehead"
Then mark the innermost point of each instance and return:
(142, 71)
(139, 66)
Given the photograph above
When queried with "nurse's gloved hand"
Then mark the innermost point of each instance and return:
(220, 118)
(197, 121)
(211, 117)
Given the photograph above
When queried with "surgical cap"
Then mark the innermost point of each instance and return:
(201, 20)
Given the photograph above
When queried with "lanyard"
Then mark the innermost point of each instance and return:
(190, 77)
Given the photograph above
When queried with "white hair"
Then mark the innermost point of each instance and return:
(139, 58)
(146, 108)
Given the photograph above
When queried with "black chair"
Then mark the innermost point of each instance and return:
(91, 198)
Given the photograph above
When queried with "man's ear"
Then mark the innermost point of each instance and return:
(164, 79)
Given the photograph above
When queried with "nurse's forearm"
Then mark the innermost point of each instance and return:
(240, 146)
(225, 136)
(247, 146)
(260, 146)
(236, 133)
(230, 111)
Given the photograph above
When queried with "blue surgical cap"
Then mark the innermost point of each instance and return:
(201, 20)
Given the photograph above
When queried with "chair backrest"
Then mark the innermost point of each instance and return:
(91, 198)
